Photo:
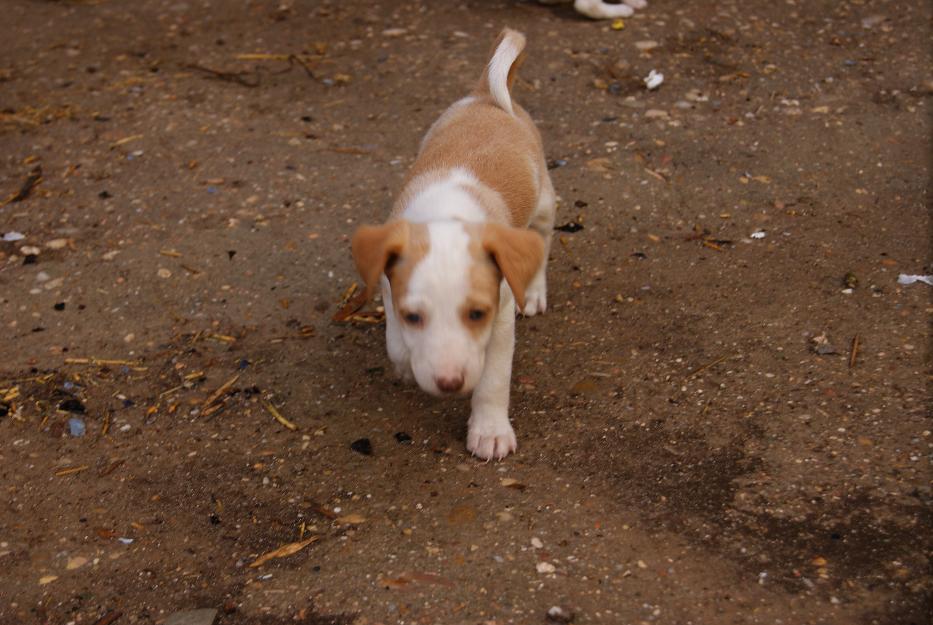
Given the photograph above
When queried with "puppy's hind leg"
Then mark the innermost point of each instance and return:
(542, 222)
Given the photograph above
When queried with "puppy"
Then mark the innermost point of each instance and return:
(465, 246)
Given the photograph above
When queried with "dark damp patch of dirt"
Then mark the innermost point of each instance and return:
(689, 486)
(306, 616)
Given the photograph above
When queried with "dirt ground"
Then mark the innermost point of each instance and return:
(724, 417)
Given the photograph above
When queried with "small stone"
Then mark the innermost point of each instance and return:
(164, 273)
(129, 338)
(394, 32)
(56, 244)
(656, 114)
(29, 250)
(14, 236)
(76, 426)
(558, 614)
(47, 579)
(42, 277)
(72, 405)
(545, 567)
(362, 446)
(204, 616)
(758, 234)
(536, 542)
(646, 45)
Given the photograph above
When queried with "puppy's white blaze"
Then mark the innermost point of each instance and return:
(499, 66)
(446, 199)
(443, 346)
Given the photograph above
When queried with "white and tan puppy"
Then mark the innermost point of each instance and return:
(465, 245)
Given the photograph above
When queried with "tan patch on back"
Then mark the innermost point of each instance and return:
(503, 151)
(483, 284)
(419, 244)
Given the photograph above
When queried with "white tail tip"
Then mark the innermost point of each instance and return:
(508, 50)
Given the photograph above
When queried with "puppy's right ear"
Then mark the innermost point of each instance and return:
(375, 247)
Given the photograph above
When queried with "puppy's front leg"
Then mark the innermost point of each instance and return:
(395, 345)
(489, 433)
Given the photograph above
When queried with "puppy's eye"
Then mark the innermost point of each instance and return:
(413, 319)
(476, 314)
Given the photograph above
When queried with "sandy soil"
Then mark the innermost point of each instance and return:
(698, 443)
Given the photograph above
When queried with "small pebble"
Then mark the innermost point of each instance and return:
(558, 614)
(72, 405)
(362, 446)
(545, 567)
(76, 426)
(164, 273)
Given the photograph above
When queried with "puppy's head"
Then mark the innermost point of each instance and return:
(444, 280)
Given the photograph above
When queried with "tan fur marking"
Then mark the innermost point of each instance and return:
(484, 285)
(419, 244)
(492, 145)
(518, 253)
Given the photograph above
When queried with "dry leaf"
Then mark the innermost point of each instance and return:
(283, 551)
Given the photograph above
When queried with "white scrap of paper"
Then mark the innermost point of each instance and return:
(910, 279)
(654, 80)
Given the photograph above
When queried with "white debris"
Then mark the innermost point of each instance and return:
(758, 234)
(910, 279)
(536, 542)
(14, 236)
(654, 79)
(545, 567)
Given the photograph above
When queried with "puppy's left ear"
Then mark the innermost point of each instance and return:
(374, 247)
(518, 253)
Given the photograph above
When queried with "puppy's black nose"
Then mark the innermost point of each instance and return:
(449, 385)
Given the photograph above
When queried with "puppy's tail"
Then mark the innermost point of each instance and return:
(507, 56)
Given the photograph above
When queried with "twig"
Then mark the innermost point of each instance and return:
(278, 416)
(71, 470)
(853, 352)
(219, 392)
(101, 361)
(705, 367)
(234, 77)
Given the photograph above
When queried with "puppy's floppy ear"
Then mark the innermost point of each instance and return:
(518, 253)
(374, 247)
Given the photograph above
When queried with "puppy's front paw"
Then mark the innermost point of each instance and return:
(491, 440)
(535, 298)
